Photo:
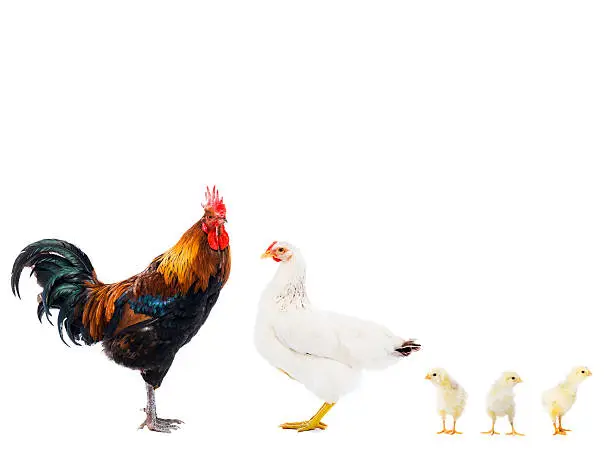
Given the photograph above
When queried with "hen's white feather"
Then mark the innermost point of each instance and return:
(325, 351)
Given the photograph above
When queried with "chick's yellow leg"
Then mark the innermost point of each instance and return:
(561, 429)
(557, 428)
(514, 432)
(443, 430)
(492, 431)
(313, 423)
(454, 430)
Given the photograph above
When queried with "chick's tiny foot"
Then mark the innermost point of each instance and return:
(490, 432)
(451, 432)
(306, 425)
(564, 429)
(442, 431)
(161, 425)
(514, 433)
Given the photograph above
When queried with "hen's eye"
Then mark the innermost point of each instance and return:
(281, 250)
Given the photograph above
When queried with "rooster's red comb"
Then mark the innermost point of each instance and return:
(214, 201)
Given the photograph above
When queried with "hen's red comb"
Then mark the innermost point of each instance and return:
(214, 201)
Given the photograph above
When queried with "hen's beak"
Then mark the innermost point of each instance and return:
(266, 254)
(428, 377)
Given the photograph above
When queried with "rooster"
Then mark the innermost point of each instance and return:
(324, 351)
(143, 321)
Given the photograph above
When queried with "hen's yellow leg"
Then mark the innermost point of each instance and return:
(313, 423)
(286, 373)
(492, 431)
(454, 430)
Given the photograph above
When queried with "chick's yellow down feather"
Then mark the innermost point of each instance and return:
(500, 401)
(451, 398)
(560, 399)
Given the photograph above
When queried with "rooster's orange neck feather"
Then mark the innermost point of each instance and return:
(191, 261)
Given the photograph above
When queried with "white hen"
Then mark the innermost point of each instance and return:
(324, 351)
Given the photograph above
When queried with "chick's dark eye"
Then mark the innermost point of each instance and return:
(583, 371)
(433, 374)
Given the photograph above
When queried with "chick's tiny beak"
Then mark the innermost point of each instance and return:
(589, 373)
(428, 377)
(519, 380)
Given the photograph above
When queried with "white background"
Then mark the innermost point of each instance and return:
(444, 166)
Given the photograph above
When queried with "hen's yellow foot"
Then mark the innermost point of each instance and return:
(313, 424)
(299, 425)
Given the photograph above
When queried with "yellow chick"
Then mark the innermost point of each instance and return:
(500, 401)
(559, 400)
(451, 398)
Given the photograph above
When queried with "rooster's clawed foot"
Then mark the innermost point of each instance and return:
(160, 425)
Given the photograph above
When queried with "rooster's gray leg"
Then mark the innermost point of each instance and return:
(154, 423)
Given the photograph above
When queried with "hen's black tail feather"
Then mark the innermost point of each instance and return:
(62, 270)
(408, 347)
